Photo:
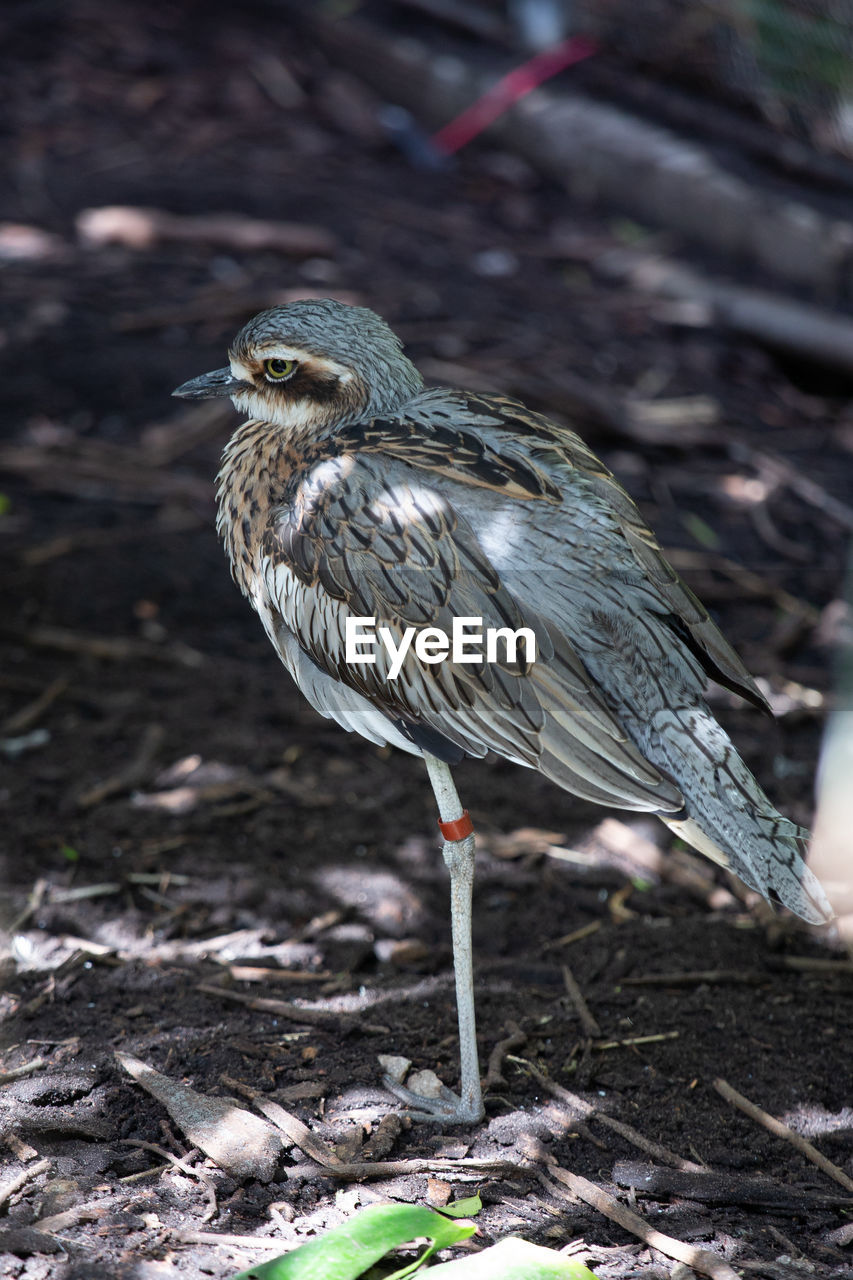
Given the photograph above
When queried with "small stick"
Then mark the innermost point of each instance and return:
(815, 964)
(8, 1189)
(631, 1040)
(701, 1260)
(588, 1111)
(32, 711)
(26, 1069)
(228, 1242)
(34, 901)
(283, 1008)
(110, 648)
(132, 773)
(494, 1072)
(725, 1090)
(178, 1163)
(699, 975)
(576, 935)
(257, 973)
(331, 1166)
(582, 1009)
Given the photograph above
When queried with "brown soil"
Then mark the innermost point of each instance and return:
(182, 810)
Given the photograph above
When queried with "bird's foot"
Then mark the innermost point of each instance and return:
(445, 1107)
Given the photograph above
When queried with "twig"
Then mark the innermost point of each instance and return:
(282, 1008)
(112, 648)
(65, 544)
(588, 1111)
(806, 331)
(229, 1242)
(33, 710)
(258, 973)
(576, 935)
(140, 228)
(701, 1260)
(179, 1163)
(601, 1045)
(699, 975)
(815, 964)
(682, 558)
(134, 772)
(330, 1165)
(81, 892)
(725, 1090)
(145, 1173)
(8, 1189)
(494, 1072)
(588, 1022)
(34, 901)
(806, 489)
(26, 1069)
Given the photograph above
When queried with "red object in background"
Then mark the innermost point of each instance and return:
(517, 84)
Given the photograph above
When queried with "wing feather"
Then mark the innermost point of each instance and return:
(397, 550)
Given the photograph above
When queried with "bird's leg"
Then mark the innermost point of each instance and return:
(459, 856)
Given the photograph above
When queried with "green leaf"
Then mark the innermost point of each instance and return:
(700, 530)
(463, 1208)
(346, 1252)
(511, 1260)
(5, 504)
(69, 853)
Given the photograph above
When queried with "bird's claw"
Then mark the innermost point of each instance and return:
(446, 1108)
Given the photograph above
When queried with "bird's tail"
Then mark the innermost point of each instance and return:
(728, 817)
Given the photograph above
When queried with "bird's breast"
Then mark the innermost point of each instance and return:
(251, 482)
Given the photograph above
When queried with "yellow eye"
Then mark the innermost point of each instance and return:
(279, 369)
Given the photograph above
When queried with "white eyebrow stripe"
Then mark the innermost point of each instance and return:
(278, 351)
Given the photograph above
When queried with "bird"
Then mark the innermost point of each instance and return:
(352, 498)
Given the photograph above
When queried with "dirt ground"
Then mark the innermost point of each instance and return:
(175, 819)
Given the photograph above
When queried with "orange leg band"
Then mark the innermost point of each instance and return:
(459, 829)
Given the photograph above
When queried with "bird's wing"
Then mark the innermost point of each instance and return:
(361, 536)
(497, 442)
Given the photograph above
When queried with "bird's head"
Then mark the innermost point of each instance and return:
(311, 365)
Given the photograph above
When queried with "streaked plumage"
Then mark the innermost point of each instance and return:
(350, 491)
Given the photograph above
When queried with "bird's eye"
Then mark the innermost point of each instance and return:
(279, 369)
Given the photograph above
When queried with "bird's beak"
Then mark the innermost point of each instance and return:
(221, 382)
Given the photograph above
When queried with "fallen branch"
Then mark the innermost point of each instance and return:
(701, 1260)
(725, 1090)
(796, 327)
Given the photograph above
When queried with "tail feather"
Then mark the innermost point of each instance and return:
(729, 818)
